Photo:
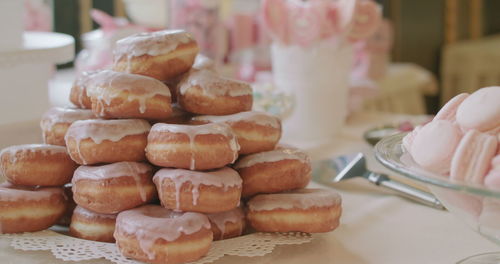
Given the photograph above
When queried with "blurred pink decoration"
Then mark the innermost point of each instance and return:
(37, 16)
(307, 22)
(98, 44)
(372, 56)
(201, 18)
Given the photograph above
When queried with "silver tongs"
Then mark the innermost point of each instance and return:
(327, 171)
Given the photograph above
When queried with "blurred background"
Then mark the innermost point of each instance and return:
(427, 50)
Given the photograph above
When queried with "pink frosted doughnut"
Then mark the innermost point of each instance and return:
(154, 234)
(305, 210)
(90, 225)
(29, 209)
(197, 191)
(55, 123)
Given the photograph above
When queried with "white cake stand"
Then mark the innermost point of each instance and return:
(25, 73)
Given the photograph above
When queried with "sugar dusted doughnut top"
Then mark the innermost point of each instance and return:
(226, 177)
(64, 115)
(280, 153)
(297, 199)
(258, 118)
(151, 222)
(151, 43)
(214, 85)
(481, 110)
(11, 193)
(100, 130)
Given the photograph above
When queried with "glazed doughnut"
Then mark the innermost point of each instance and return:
(78, 95)
(154, 234)
(255, 131)
(162, 55)
(227, 224)
(55, 123)
(274, 171)
(194, 147)
(107, 141)
(29, 209)
(37, 165)
(304, 210)
(197, 191)
(112, 188)
(204, 92)
(89, 225)
(203, 62)
(125, 95)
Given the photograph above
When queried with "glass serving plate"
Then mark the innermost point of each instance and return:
(476, 204)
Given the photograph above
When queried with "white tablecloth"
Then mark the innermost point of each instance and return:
(375, 227)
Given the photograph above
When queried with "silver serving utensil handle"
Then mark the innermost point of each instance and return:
(404, 190)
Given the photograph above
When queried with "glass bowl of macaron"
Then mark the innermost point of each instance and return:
(457, 155)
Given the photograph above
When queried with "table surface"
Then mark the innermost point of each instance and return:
(376, 226)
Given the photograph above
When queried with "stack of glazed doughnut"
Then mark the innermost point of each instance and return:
(163, 180)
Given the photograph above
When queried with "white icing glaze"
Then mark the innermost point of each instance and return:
(45, 149)
(150, 43)
(298, 199)
(100, 130)
(57, 115)
(151, 222)
(280, 153)
(224, 177)
(203, 62)
(81, 84)
(115, 170)
(92, 215)
(259, 118)
(214, 85)
(9, 193)
(194, 130)
(107, 85)
(221, 219)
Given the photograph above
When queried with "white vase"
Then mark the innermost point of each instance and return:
(317, 76)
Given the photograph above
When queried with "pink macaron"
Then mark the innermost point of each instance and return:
(434, 144)
(481, 111)
(449, 110)
(473, 156)
(492, 179)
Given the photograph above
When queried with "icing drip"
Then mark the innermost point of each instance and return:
(259, 118)
(150, 43)
(10, 193)
(300, 199)
(92, 215)
(194, 130)
(21, 150)
(136, 170)
(107, 85)
(214, 85)
(278, 154)
(64, 115)
(112, 130)
(225, 177)
(81, 82)
(149, 223)
(203, 62)
(221, 219)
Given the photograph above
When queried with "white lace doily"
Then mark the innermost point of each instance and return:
(73, 249)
